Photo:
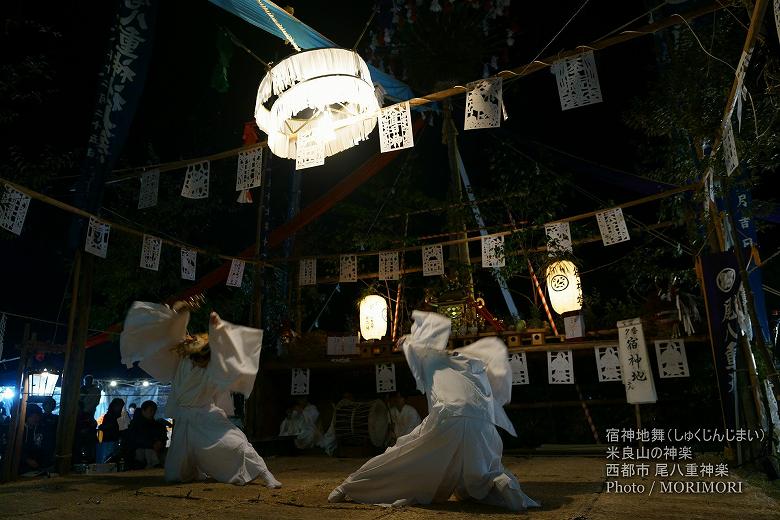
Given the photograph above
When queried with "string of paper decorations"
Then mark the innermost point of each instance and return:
(16, 200)
(626, 361)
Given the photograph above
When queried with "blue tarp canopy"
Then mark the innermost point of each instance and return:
(305, 37)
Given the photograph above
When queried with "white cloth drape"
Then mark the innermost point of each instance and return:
(205, 442)
(456, 449)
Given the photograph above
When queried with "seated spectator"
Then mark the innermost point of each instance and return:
(84, 438)
(38, 445)
(49, 419)
(147, 437)
(110, 431)
(404, 417)
(131, 410)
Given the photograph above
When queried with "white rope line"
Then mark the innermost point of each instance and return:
(279, 25)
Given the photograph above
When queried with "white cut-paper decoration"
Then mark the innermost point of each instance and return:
(150, 253)
(608, 364)
(236, 275)
(519, 365)
(189, 260)
(578, 81)
(342, 346)
(389, 265)
(196, 181)
(612, 226)
(777, 18)
(13, 210)
(560, 367)
(433, 260)
(310, 150)
(558, 237)
(307, 271)
(483, 104)
(300, 381)
(493, 251)
(395, 128)
(637, 376)
(672, 361)
(150, 185)
(385, 378)
(250, 169)
(729, 149)
(574, 326)
(348, 268)
(97, 238)
(741, 90)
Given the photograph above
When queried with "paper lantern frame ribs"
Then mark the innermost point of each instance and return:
(328, 91)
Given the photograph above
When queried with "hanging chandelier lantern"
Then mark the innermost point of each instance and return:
(327, 92)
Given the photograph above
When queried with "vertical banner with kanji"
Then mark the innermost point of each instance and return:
(120, 84)
(722, 289)
(741, 204)
(635, 365)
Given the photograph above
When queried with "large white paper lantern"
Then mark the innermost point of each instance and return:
(327, 91)
(563, 285)
(373, 317)
(43, 383)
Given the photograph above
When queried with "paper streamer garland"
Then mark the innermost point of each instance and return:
(189, 259)
(97, 238)
(433, 260)
(13, 210)
(560, 367)
(150, 253)
(249, 173)
(307, 272)
(150, 185)
(493, 251)
(300, 381)
(385, 378)
(608, 364)
(637, 376)
(395, 128)
(729, 149)
(236, 276)
(558, 237)
(389, 266)
(196, 181)
(519, 365)
(310, 150)
(484, 103)
(578, 81)
(612, 226)
(672, 361)
(348, 268)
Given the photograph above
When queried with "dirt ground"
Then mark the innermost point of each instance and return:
(568, 488)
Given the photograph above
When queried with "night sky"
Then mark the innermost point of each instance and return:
(181, 116)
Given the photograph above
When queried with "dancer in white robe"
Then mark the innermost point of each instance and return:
(456, 449)
(204, 370)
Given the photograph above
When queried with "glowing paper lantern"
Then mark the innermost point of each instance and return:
(563, 285)
(327, 92)
(373, 317)
(43, 383)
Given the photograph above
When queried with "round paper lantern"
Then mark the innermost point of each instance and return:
(373, 317)
(327, 91)
(563, 285)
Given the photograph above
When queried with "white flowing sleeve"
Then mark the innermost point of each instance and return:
(235, 356)
(494, 354)
(149, 333)
(430, 332)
